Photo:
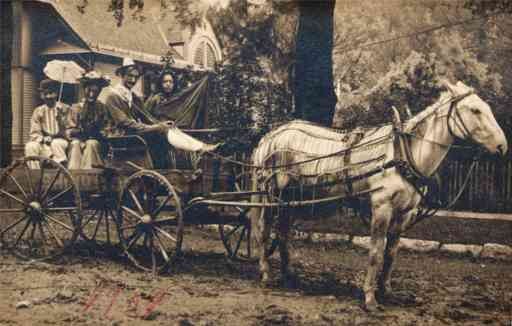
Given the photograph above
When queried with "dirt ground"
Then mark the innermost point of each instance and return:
(205, 288)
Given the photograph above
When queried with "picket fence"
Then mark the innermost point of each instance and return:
(489, 188)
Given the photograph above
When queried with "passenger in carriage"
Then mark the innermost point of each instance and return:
(152, 79)
(48, 126)
(87, 123)
(165, 88)
(130, 116)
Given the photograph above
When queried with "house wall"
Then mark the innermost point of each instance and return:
(23, 78)
(37, 25)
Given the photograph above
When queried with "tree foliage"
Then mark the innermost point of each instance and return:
(251, 92)
(395, 58)
(486, 7)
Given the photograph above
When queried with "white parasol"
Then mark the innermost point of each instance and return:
(64, 72)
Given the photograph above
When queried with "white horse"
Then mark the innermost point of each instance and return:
(289, 153)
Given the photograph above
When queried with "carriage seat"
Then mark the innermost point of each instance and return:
(150, 152)
(131, 148)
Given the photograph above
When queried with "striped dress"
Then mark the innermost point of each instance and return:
(48, 121)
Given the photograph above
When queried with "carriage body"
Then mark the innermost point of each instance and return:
(97, 204)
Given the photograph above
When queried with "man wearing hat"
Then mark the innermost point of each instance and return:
(87, 121)
(130, 117)
(48, 126)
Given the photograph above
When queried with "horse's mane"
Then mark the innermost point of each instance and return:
(413, 122)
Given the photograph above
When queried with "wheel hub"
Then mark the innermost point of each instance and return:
(146, 219)
(35, 209)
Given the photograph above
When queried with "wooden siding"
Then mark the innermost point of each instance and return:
(29, 101)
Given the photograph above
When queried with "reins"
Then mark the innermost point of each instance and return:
(408, 166)
(412, 167)
(405, 145)
(316, 158)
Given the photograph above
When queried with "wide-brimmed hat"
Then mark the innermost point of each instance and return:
(48, 85)
(94, 77)
(127, 63)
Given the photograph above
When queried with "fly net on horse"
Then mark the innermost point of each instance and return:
(304, 149)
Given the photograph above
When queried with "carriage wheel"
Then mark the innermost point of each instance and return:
(150, 221)
(237, 236)
(274, 228)
(41, 208)
(100, 225)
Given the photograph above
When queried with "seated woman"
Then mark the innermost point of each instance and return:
(47, 126)
(130, 117)
(86, 124)
(162, 101)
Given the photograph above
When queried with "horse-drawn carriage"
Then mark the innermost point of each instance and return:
(45, 211)
(387, 166)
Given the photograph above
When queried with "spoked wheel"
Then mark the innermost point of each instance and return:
(236, 235)
(150, 221)
(274, 228)
(41, 215)
(99, 226)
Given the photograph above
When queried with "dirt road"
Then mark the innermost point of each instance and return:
(207, 289)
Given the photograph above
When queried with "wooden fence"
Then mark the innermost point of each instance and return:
(489, 189)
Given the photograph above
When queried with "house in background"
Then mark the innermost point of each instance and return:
(45, 30)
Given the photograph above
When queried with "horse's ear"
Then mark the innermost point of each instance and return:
(449, 86)
(460, 85)
(397, 122)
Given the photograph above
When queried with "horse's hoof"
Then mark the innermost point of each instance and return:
(373, 307)
(265, 282)
(382, 294)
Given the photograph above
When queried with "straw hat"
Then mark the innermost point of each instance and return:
(93, 77)
(127, 63)
(48, 85)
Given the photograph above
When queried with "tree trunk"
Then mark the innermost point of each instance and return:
(6, 35)
(315, 99)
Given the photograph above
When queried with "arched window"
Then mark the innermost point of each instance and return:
(199, 55)
(210, 56)
(204, 55)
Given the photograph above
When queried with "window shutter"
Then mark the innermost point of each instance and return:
(210, 56)
(199, 55)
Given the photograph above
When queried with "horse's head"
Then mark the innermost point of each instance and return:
(470, 118)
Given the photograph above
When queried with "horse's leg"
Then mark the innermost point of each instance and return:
(282, 180)
(381, 215)
(261, 222)
(284, 230)
(393, 240)
(384, 282)
(264, 223)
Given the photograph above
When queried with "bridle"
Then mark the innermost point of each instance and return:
(466, 134)
(457, 119)
(454, 114)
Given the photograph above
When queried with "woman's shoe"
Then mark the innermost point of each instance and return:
(211, 147)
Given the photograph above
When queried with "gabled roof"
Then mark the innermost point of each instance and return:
(144, 39)
(60, 46)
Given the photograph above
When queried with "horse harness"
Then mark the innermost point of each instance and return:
(428, 186)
